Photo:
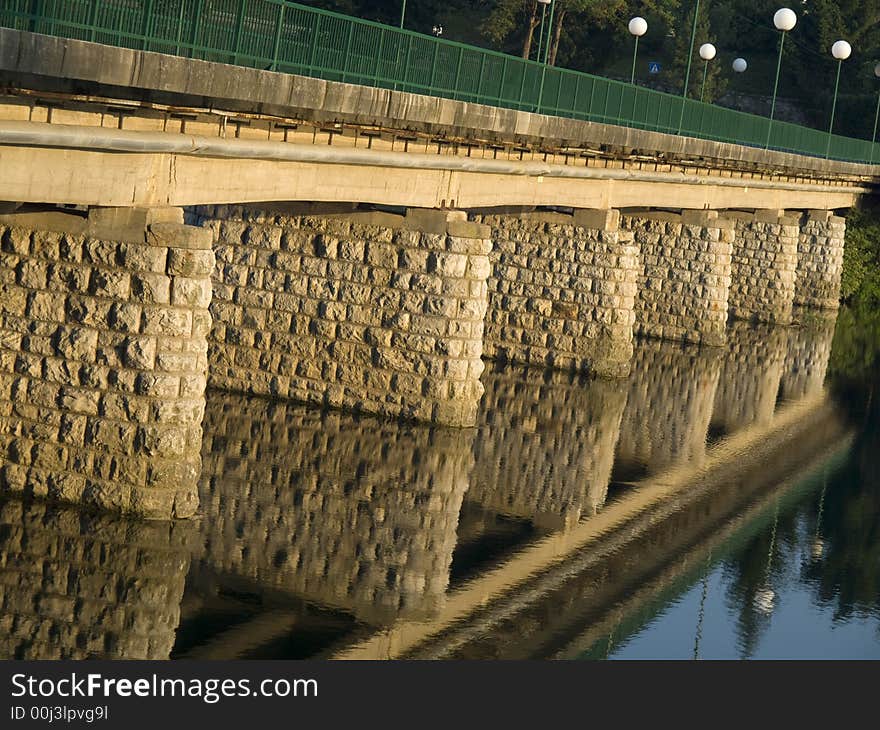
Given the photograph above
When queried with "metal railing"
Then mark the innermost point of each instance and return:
(284, 36)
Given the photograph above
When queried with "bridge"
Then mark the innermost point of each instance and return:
(327, 210)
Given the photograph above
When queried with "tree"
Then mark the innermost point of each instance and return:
(715, 84)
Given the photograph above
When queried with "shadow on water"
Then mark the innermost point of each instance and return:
(574, 520)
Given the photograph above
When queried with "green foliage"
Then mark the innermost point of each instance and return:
(860, 279)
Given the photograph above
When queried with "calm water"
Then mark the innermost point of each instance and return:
(718, 503)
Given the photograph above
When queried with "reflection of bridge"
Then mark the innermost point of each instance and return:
(333, 519)
(170, 222)
(571, 428)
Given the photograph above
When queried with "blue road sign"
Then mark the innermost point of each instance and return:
(653, 67)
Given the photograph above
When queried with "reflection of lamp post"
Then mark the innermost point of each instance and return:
(707, 53)
(544, 4)
(740, 65)
(402, 12)
(784, 19)
(637, 27)
(841, 50)
(876, 115)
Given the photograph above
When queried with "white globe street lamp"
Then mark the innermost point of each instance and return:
(784, 20)
(637, 28)
(876, 115)
(707, 53)
(841, 50)
(740, 65)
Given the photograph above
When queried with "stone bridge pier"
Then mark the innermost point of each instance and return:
(685, 275)
(103, 353)
(820, 260)
(561, 290)
(371, 311)
(113, 322)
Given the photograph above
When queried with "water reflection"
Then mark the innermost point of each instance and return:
(670, 396)
(81, 586)
(554, 528)
(545, 444)
(358, 514)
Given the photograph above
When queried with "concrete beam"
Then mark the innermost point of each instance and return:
(34, 174)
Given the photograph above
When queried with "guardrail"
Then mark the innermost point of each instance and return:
(284, 36)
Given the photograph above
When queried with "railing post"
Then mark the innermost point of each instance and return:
(408, 61)
(179, 30)
(434, 65)
(522, 84)
(194, 36)
(35, 12)
(239, 24)
(277, 45)
(480, 78)
(145, 25)
(347, 51)
(378, 70)
(314, 48)
(458, 72)
(93, 20)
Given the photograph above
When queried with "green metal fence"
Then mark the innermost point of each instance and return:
(284, 36)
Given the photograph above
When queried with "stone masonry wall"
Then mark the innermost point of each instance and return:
(76, 585)
(683, 288)
(350, 511)
(545, 444)
(562, 290)
(103, 326)
(820, 260)
(763, 264)
(372, 312)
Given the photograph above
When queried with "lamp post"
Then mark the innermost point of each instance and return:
(687, 73)
(544, 4)
(402, 13)
(784, 19)
(637, 27)
(546, 56)
(707, 53)
(876, 115)
(740, 65)
(841, 50)
(549, 32)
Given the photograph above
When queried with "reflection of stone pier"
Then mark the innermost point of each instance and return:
(671, 396)
(808, 352)
(750, 375)
(546, 444)
(354, 513)
(83, 586)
